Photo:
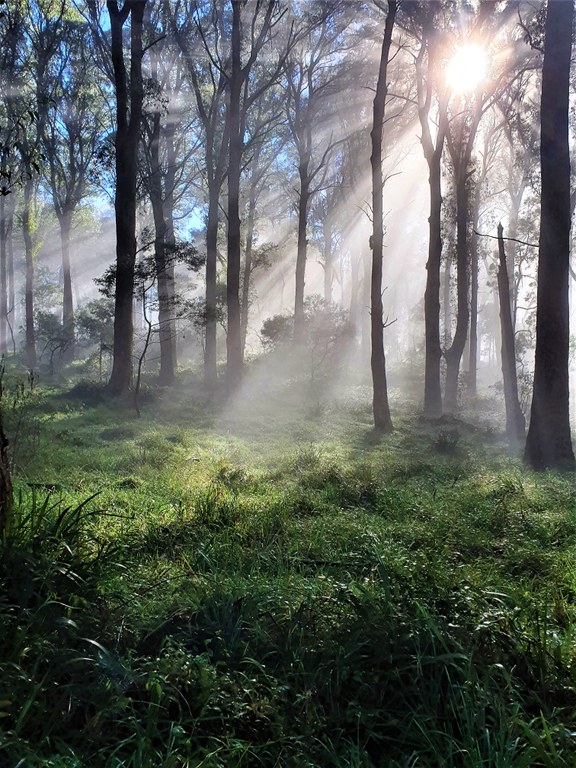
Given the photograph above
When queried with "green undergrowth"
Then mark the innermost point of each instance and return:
(267, 583)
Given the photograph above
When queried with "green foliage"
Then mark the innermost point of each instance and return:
(325, 601)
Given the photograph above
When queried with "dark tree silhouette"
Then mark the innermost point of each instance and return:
(549, 444)
(129, 97)
(381, 410)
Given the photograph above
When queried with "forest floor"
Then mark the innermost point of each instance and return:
(268, 583)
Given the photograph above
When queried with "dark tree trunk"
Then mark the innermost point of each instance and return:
(454, 354)
(433, 153)
(432, 385)
(549, 443)
(6, 490)
(473, 337)
(380, 407)
(65, 221)
(249, 243)
(30, 347)
(11, 313)
(515, 423)
(168, 351)
(3, 275)
(302, 249)
(129, 100)
(162, 260)
(233, 336)
(210, 350)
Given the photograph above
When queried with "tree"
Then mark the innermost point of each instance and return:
(549, 444)
(244, 90)
(515, 423)
(72, 130)
(429, 92)
(206, 70)
(314, 72)
(380, 407)
(129, 98)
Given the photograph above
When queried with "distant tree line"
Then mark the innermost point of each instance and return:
(244, 144)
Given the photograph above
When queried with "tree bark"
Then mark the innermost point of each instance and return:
(302, 249)
(473, 335)
(515, 423)
(233, 336)
(65, 222)
(162, 261)
(3, 274)
(380, 407)
(549, 444)
(210, 350)
(249, 244)
(433, 154)
(30, 334)
(129, 99)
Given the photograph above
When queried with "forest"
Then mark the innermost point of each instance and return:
(286, 384)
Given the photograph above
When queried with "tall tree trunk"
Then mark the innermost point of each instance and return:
(328, 258)
(433, 149)
(11, 317)
(249, 243)
(302, 249)
(210, 350)
(380, 407)
(432, 385)
(65, 222)
(169, 360)
(162, 260)
(3, 274)
(128, 118)
(453, 355)
(233, 336)
(473, 336)
(515, 423)
(6, 490)
(30, 347)
(549, 443)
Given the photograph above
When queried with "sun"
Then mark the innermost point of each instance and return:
(467, 68)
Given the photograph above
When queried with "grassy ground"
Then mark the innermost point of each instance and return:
(266, 583)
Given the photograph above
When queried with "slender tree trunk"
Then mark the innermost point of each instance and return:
(473, 336)
(6, 490)
(366, 326)
(128, 117)
(233, 336)
(3, 275)
(515, 423)
(169, 357)
(380, 407)
(549, 443)
(161, 259)
(454, 354)
(65, 221)
(30, 348)
(302, 250)
(250, 218)
(210, 350)
(328, 259)
(11, 312)
(432, 383)
(433, 149)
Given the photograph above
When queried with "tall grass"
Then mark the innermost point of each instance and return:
(344, 603)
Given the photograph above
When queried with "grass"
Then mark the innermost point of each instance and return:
(266, 584)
